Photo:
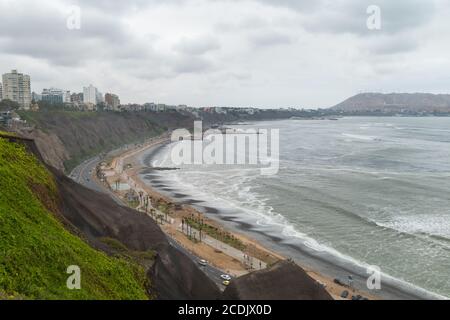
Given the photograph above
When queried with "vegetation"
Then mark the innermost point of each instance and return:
(36, 250)
(7, 134)
(8, 105)
(214, 232)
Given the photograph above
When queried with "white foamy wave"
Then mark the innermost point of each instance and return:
(432, 225)
(360, 137)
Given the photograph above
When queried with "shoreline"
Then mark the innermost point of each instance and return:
(317, 267)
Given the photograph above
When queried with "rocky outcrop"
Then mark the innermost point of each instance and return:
(283, 281)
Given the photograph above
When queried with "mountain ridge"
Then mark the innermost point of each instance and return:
(395, 102)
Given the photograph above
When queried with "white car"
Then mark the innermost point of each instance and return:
(203, 262)
(225, 277)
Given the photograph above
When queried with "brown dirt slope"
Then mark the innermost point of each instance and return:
(283, 281)
(173, 275)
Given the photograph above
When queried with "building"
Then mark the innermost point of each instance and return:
(53, 95)
(36, 97)
(76, 98)
(112, 101)
(1, 92)
(90, 95)
(17, 87)
(66, 97)
(99, 98)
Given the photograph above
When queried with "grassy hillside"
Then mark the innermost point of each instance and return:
(35, 248)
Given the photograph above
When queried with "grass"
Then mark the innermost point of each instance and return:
(7, 134)
(35, 248)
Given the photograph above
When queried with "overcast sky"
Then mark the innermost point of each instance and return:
(262, 53)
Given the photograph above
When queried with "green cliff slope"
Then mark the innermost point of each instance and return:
(36, 249)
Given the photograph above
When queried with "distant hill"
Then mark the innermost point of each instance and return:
(396, 102)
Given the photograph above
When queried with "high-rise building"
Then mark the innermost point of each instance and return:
(1, 92)
(76, 97)
(16, 87)
(53, 95)
(90, 95)
(112, 101)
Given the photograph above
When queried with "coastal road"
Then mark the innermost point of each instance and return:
(82, 174)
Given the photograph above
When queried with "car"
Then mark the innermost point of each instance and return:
(225, 277)
(203, 262)
(226, 283)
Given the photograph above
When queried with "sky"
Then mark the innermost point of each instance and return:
(253, 53)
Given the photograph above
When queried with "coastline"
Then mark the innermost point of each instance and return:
(318, 268)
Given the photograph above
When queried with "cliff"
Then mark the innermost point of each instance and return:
(122, 253)
(66, 138)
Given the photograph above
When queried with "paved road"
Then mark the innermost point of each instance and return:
(82, 174)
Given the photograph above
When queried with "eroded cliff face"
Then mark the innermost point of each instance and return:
(66, 138)
(50, 146)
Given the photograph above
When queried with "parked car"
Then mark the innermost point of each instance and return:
(226, 283)
(225, 277)
(203, 262)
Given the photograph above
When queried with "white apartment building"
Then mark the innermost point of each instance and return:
(90, 95)
(66, 97)
(16, 87)
(1, 92)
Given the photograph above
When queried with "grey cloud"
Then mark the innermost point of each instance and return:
(192, 65)
(343, 16)
(247, 23)
(197, 46)
(273, 38)
(41, 32)
(120, 6)
(388, 45)
(300, 5)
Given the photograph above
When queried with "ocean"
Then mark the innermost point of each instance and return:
(355, 192)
